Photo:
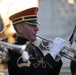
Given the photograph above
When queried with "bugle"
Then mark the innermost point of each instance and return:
(62, 53)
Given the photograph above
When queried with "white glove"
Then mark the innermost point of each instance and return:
(57, 46)
(58, 57)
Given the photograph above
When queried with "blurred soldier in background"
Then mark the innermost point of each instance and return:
(73, 63)
(7, 31)
(73, 67)
(2, 53)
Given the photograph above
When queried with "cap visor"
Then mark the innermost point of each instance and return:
(33, 22)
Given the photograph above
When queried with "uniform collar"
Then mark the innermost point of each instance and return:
(21, 40)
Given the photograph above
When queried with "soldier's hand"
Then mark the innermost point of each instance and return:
(57, 46)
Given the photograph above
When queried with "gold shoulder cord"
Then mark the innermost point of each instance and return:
(40, 62)
(35, 65)
(23, 64)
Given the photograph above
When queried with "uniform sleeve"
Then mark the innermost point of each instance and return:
(49, 59)
(56, 69)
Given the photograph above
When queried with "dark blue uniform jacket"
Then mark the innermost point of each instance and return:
(38, 64)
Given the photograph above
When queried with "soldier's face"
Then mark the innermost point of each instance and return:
(29, 31)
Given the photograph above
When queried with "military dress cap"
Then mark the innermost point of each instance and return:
(24, 11)
(28, 15)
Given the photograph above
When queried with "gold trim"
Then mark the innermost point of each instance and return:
(40, 49)
(23, 63)
(24, 20)
(30, 15)
(42, 62)
(24, 17)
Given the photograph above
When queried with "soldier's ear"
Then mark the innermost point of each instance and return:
(19, 28)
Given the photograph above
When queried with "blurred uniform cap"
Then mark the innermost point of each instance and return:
(24, 11)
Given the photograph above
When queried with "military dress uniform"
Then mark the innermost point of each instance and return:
(38, 64)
